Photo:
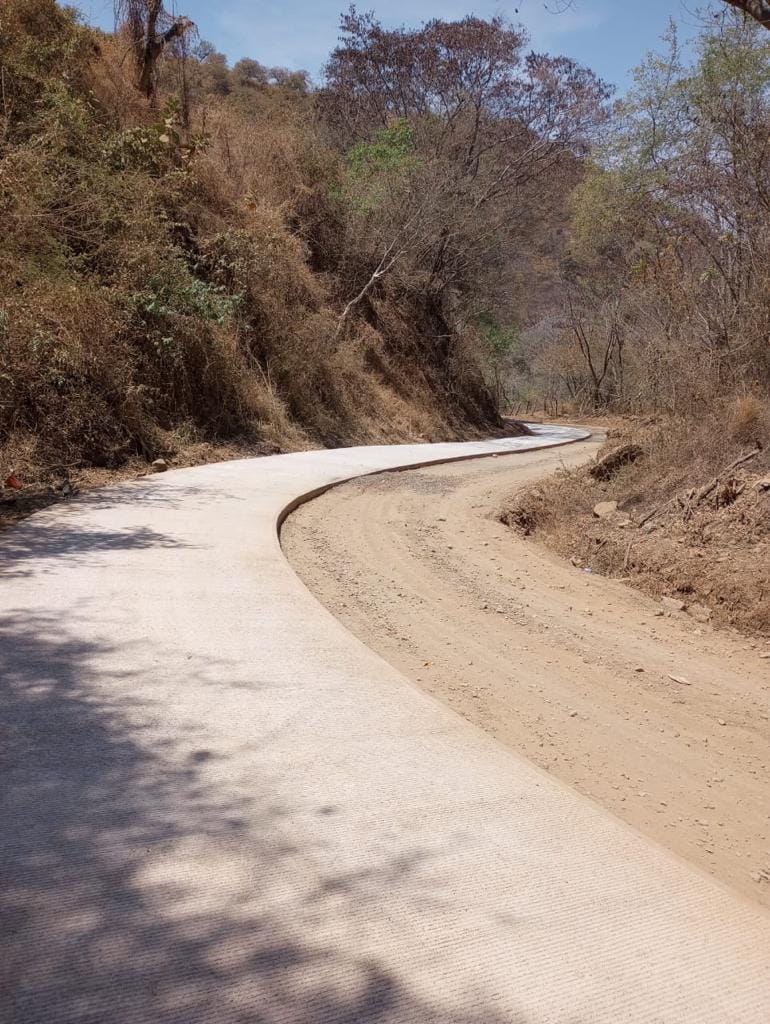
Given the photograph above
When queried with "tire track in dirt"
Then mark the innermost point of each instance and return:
(572, 670)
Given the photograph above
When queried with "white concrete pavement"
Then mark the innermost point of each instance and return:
(217, 805)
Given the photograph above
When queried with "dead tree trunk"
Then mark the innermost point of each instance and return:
(151, 29)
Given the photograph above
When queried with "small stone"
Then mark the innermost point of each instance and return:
(573, 714)
(672, 605)
(721, 721)
(159, 466)
(605, 509)
(639, 668)
(680, 679)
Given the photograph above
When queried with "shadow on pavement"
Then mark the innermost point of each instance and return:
(136, 890)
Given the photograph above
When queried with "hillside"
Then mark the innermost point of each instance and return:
(199, 260)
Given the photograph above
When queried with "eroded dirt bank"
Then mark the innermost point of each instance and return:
(664, 722)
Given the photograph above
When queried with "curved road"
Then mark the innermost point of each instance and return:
(572, 670)
(219, 806)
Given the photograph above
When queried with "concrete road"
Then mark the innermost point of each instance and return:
(219, 806)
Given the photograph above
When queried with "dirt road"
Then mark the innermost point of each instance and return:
(663, 721)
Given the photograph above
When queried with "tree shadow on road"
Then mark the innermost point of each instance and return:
(67, 532)
(136, 890)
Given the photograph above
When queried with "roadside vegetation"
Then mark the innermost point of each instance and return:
(662, 323)
(199, 260)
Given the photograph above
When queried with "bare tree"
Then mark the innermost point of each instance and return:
(151, 29)
(446, 128)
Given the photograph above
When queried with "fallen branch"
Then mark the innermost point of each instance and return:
(608, 466)
(757, 9)
(382, 268)
(706, 489)
(709, 487)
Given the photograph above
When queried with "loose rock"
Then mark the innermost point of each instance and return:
(681, 680)
(605, 509)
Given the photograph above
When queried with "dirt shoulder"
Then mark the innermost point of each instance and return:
(666, 722)
(678, 508)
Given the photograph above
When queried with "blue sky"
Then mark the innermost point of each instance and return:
(611, 36)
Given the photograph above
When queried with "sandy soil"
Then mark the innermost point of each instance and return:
(663, 721)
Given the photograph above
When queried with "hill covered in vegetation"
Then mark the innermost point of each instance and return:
(197, 254)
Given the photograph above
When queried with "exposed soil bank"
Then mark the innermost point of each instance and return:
(683, 514)
(570, 669)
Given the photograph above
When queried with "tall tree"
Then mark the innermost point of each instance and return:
(447, 127)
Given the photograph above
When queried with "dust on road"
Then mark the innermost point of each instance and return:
(664, 722)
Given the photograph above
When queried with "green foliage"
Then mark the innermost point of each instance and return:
(737, 62)
(171, 295)
(393, 150)
(186, 297)
(155, 148)
(677, 112)
(374, 169)
(502, 339)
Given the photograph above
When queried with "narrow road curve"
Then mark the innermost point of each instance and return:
(666, 723)
(217, 805)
